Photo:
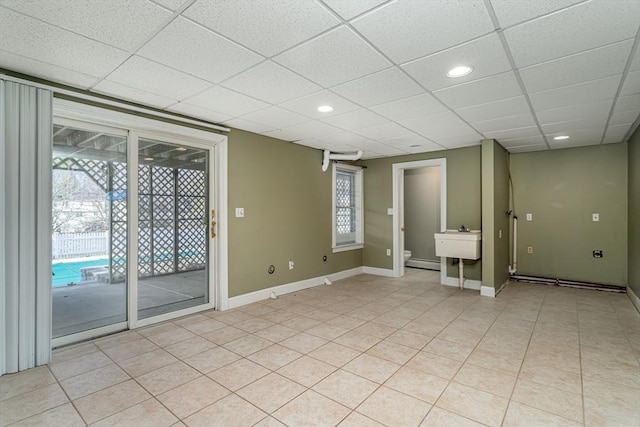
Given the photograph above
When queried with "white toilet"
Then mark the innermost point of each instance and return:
(407, 256)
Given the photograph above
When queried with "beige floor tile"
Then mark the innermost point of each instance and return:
(346, 388)
(439, 366)
(149, 413)
(271, 392)
(66, 353)
(357, 341)
(224, 335)
(269, 422)
(205, 327)
(376, 329)
(551, 377)
(358, 420)
(409, 339)
(274, 357)
(488, 380)
(167, 338)
(117, 339)
(147, 362)
(130, 349)
(31, 403)
(450, 349)
(496, 361)
(311, 409)
(554, 358)
(327, 331)
(301, 323)
(418, 384)
(238, 374)
(335, 354)
(92, 381)
(372, 368)
(193, 396)
(392, 408)
(612, 371)
(519, 415)
(607, 404)
(232, 316)
(79, 365)
(230, 411)
(253, 325)
(189, 347)
(558, 402)
(159, 328)
(189, 320)
(247, 345)
(321, 315)
(393, 352)
(306, 370)
(276, 333)
(278, 316)
(303, 342)
(438, 417)
(109, 401)
(12, 385)
(461, 335)
(167, 377)
(347, 322)
(472, 403)
(256, 309)
(211, 360)
(392, 320)
(64, 415)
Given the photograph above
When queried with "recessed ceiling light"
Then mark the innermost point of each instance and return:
(459, 71)
(561, 137)
(325, 109)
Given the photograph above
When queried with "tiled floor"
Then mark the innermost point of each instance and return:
(367, 351)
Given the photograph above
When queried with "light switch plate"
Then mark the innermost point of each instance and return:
(239, 212)
(529, 217)
(389, 211)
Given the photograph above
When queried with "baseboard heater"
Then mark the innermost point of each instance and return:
(568, 283)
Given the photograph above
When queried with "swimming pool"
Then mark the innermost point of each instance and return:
(65, 273)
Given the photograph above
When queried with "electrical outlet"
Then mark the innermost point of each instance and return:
(239, 212)
(529, 249)
(529, 217)
(291, 264)
(595, 217)
(388, 252)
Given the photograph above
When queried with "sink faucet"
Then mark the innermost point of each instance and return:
(463, 229)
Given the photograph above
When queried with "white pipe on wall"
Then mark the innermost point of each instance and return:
(327, 156)
(514, 266)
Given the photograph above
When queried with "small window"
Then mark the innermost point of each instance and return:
(347, 208)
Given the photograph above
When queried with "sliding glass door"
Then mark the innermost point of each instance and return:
(131, 234)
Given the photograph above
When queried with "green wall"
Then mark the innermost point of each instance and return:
(495, 221)
(634, 213)
(562, 188)
(463, 203)
(287, 202)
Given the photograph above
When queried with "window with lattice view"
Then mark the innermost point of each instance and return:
(347, 207)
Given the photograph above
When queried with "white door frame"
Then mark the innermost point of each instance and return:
(218, 196)
(398, 210)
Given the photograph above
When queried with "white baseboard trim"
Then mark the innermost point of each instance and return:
(378, 271)
(262, 294)
(468, 283)
(634, 298)
(488, 291)
(421, 263)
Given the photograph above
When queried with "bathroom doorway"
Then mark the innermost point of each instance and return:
(406, 177)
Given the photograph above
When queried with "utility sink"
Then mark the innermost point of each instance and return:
(458, 244)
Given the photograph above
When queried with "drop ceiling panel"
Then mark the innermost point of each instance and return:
(378, 149)
(196, 50)
(334, 58)
(221, 99)
(626, 103)
(424, 147)
(591, 65)
(505, 107)
(486, 55)
(171, 4)
(563, 33)
(407, 140)
(308, 105)
(433, 122)
(510, 13)
(579, 138)
(314, 129)
(283, 134)
(615, 134)
(344, 138)
(248, 125)
(268, 27)
(526, 132)
(202, 113)
(379, 88)
(591, 110)
(129, 93)
(406, 108)
(152, 77)
(458, 141)
(624, 117)
(631, 84)
(43, 70)
(355, 119)
(568, 127)
(277, 117)
(30, 38)
(494, 88)
(594, 90)
(519, 142)
(386, 130)
(271, 83)
(352, 8)
(114, 22)
(509, 122)
(406, 30)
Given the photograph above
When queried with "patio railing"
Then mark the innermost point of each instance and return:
(77, 245)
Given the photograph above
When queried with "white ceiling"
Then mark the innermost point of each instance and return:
(541, 68)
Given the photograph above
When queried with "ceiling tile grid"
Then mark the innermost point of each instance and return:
(539, 69)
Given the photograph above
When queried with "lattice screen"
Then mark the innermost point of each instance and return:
(192, 219)
(118, 209)
(345, 203)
